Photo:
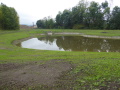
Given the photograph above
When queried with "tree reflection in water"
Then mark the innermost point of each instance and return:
(79, 43)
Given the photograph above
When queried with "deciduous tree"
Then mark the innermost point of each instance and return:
(8, 18)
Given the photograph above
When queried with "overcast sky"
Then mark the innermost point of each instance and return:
(30, 11)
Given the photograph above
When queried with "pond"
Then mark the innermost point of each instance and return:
(72, 43)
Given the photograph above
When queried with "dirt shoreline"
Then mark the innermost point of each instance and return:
(105, 37)
(91, 36)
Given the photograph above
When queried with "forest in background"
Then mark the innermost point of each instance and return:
(85, 15)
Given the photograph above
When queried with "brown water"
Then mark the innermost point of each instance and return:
(72, 43)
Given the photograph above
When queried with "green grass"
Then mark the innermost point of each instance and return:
(93, 69)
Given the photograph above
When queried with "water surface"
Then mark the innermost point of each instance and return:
(72, 43)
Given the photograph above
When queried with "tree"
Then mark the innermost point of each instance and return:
(8, 18)
(78, 14)
(66, 19)
(115, 18)
(59, 22)
(106, 13)
(40, 24)
(0, 18)
(95, 16)
(46, 23)
(14, 19)
(51, 23)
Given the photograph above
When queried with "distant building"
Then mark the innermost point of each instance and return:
(35, 26)
(25, 27)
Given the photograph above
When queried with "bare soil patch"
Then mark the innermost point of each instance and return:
(17, 76)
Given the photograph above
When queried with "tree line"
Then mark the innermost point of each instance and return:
(84, 16)
(9, 19)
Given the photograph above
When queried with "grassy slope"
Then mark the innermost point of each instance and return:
(93, 69)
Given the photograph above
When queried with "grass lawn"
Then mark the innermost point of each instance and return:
(92, 70)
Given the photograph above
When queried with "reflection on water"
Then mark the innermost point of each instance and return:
(72, 43)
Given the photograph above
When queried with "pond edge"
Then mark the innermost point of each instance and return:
(67, 33)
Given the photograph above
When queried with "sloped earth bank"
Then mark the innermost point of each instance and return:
(34, 75)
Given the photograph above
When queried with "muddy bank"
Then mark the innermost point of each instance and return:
(32, 74)
(20, 40)
(106, 37)
(68, 33)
